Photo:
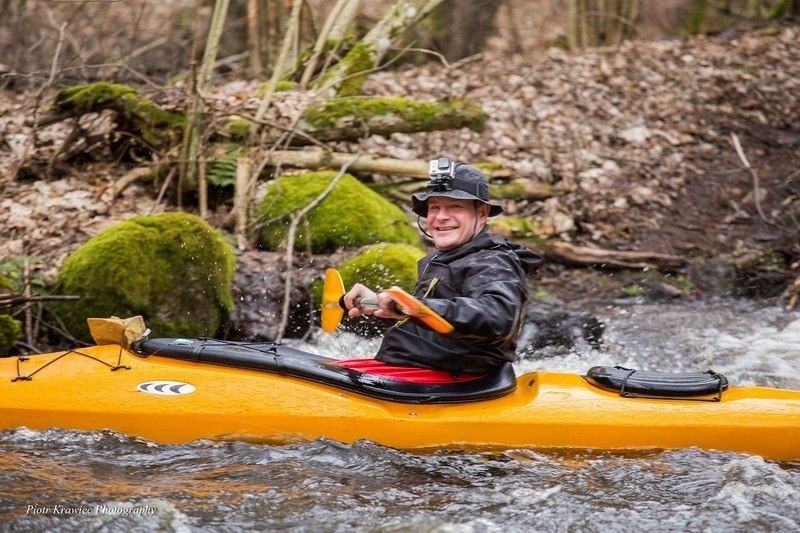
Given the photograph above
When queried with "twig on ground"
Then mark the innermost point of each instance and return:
(130, 177)
(756, 186)
(164, 187)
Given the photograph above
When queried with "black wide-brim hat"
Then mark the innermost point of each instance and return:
(468, 183)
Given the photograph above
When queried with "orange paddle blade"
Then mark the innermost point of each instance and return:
(413, 307)
(332, 290)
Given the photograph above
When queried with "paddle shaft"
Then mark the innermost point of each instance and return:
(367, 303)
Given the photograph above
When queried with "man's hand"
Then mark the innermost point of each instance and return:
(359, 292)
(386, 306)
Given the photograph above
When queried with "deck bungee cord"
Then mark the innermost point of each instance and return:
(29, 377)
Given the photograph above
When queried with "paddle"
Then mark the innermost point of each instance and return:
(333, 305)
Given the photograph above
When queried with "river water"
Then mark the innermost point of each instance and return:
(104, 481)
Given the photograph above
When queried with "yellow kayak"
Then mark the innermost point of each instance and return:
(179, 390)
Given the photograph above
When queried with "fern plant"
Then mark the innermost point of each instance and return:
(222, 172)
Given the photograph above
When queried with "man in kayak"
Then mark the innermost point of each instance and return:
(474, 280)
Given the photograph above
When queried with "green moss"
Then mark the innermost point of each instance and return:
(239, 128)
(379, 266)
(509, 191)
(137, 113)
(10, 331)
(5, 285)
(356, 64)
(782, 8)
(542, 295)
(705, 17)
(695, 21)
(560, 41)
(513, 227)
(173, 268)
(382, 266)
(350, 216)
(377, 111)
(280, 86)
(632, 289)
(683, 283)
(491, 168)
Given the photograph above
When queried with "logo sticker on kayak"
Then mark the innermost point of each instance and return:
(166, 388)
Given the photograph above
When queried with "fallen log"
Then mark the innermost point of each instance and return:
(341, 119)
(323, 159)
(352, 118)
(563, 252)
(155, 127)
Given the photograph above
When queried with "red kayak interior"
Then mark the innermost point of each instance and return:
(404, 373)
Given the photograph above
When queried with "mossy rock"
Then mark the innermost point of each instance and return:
(379, 266)
(136, 114)
(10, 331)
(350, 216)
(173, 269)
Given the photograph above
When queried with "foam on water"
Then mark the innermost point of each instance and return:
(328, 486)
(751, 345)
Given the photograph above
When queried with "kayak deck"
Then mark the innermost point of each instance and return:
(545, 410)
(433, 387)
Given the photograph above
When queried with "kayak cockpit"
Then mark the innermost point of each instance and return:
(363, 376)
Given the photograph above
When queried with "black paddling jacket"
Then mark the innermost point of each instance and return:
(480, 289)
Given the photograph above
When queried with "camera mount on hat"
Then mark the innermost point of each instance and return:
(441, 172)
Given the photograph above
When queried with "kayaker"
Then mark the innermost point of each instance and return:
(474, 280)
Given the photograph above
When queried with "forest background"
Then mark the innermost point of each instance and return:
(646, 149)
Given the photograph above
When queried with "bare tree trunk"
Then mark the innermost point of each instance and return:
(368, 52)
(255, 38)
(465, 25)
(345, 19)
(277, 67)
(311, 65)
(191, 134)
(241, 200)
(275, 22)
(573, 26)
(600, 22)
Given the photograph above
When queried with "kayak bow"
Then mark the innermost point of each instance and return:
(283, 395)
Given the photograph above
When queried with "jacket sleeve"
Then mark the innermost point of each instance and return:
(491, 308)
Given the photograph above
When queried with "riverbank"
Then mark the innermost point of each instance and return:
(637, 140)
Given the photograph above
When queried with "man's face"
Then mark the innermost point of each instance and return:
(453, 222)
